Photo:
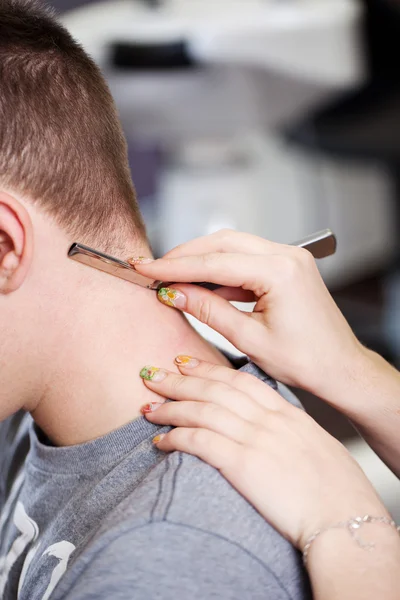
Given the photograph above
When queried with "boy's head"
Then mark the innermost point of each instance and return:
(61, 143)
(64, 177)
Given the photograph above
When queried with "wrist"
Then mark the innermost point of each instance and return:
(361, 532)
(362, 501)
(340, 568)
(349, 378)
(339, 543)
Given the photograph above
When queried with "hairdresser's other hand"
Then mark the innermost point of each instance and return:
(296, 333)
(296, 475)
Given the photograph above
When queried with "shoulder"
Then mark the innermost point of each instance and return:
(196, 536)
(185, 491)
(195, 495)
(169, 561)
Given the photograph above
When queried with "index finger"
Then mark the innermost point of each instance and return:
(250, 272)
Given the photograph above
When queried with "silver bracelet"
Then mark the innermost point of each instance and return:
(352, 526)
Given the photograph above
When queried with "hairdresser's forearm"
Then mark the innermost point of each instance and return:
(340, 570)
(368, 392)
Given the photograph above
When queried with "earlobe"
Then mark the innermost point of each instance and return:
(16, 243)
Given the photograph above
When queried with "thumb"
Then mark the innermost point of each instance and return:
(212, 310)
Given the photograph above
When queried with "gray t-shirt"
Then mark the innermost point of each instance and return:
(117, 519)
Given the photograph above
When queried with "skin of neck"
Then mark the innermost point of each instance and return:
(76, 339)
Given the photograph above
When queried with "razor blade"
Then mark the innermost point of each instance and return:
(321, 245)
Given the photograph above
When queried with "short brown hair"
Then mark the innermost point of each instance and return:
(61, 142)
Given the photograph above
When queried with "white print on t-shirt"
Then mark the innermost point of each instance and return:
(63, 551)
(29, 531)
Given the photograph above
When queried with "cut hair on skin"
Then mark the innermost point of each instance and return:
(61, 142)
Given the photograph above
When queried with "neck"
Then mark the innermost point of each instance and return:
(92, 383)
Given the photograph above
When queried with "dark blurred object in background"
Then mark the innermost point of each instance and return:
(383, 38)
(365, 126)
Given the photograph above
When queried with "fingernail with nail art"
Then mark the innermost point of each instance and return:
(153, 374)
(140, 260)
(151, 407)
(158, 438)
(173, 298)
(187, 361)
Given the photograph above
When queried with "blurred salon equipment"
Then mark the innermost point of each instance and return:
(211, 85)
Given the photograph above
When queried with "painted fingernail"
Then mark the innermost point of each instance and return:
(153, 374)
(172, 297)
(140, 260)
(158, 438)
(187, 361)
(151, 407)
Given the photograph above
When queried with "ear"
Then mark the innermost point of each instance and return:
(16, 243)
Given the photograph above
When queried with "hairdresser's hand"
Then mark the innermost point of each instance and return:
(297, 476)
(295, 333)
